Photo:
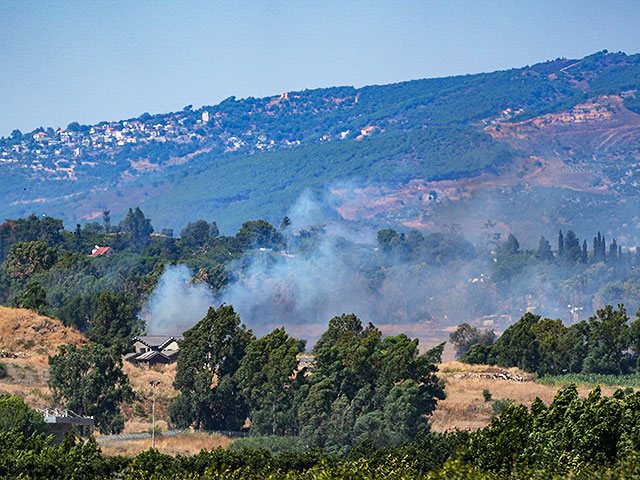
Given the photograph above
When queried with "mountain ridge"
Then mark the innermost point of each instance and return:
(452, 128)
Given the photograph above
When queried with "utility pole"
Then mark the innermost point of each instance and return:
(154, 384)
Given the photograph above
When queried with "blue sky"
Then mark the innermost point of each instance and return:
(65, 61)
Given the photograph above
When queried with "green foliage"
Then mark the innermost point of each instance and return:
(114, 322)
(210, 354)
(499, 405)
(436, 248)
(258, 233)
(199, 232)
(269, 381)
(606, 344)
(16, 415)
(608, 341)
(465, 336)
(28, 258)
(477, 354)
(569, 434)
(594, 437)
(33, 297)
(365, 387)
(517, 346)
(273, 443)
(593, 379)
(90, 382)
(138, 227)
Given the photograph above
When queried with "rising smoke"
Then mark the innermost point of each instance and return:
(340, 270)
(176, 303)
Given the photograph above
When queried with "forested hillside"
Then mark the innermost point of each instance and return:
(554, 136)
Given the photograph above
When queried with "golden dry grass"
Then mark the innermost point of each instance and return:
(32, 338)
(140, 377)
(24, 330)
(188, 443)
(465, 407)
(138, 414)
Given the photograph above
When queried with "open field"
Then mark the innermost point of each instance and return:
(188, 443)
(465, 407)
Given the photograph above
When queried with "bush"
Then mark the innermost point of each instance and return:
(3, 371)
(499, 405)
(15, 414)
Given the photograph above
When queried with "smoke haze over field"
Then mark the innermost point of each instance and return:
(176, 304)
(430, 281)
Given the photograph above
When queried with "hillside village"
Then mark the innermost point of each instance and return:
(61, 150)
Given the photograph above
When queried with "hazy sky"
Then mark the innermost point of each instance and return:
(64, 61)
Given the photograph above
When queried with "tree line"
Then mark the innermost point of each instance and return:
(572, 437)
(47, 269)
(360, 386)
(606, 343)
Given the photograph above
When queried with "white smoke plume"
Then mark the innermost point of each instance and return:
(342, 271)
(176, 303)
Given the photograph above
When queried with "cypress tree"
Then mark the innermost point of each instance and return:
(560, 245)
(613, 251)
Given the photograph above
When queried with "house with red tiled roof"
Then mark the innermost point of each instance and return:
(101, 251)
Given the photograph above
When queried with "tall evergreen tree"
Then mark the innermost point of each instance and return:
(572, 250)
(210, 355)
(613, 252)
(511, 246)
(544, 251)
(106, 221)
(138, 227)
(560, 245)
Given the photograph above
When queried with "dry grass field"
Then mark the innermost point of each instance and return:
(465, 407)
(188, 443)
